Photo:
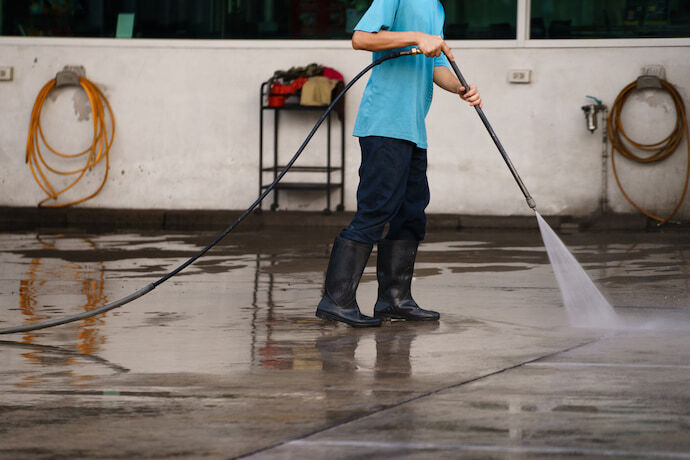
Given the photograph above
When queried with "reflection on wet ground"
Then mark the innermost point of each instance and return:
(232, 344)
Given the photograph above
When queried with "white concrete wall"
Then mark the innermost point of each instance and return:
(187, 123)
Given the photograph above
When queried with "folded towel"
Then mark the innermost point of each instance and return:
(317, 91)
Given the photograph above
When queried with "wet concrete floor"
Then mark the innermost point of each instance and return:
(227, 359)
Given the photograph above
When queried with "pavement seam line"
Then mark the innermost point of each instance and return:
(614, 365)
(418, 397)
(549, 450)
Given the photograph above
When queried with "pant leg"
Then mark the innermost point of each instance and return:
(383, 177)
(410, 221)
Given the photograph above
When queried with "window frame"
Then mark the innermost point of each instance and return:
(522, 40)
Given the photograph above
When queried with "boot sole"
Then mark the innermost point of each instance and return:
(403, 318)
(331, 317)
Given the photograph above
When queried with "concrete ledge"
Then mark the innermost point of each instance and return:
(513, 222)
(98, 219)
(620, 222)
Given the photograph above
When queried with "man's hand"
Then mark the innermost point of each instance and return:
(433, 46)
(472, 96)
(444, 78)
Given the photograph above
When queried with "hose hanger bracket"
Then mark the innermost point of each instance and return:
(69, 76)
(648, 82)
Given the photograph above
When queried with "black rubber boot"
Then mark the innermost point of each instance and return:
(394, 269)
(348, 259)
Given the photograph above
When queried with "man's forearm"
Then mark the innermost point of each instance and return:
(383, 40)
(430, 45)
(446, 80)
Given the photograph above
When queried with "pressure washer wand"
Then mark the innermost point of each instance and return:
(480, 112)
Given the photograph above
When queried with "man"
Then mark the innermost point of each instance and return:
(393, 187)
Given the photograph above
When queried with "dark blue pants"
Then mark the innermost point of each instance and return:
(393, 189)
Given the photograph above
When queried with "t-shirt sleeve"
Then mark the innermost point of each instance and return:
(441, 61)
(379, 16)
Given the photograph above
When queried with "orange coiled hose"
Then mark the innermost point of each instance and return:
(94, 154)
(659, 150)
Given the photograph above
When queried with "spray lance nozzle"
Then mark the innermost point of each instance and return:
(591, 111)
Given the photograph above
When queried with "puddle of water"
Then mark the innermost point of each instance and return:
(249, 305)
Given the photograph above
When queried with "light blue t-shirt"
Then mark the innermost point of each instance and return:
(399, 92)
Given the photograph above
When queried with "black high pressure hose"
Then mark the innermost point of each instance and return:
(145, 290)
(150, 287)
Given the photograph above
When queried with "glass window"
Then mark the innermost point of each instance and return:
(183, 18)
(610, 18)
(250, 19)
(477, 20)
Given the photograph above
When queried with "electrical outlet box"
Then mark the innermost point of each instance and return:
(519, 76)
(6, 73)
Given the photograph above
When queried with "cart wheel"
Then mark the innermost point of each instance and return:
(274, 206)
(258, 211)
(340, 208)
(327, 212)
